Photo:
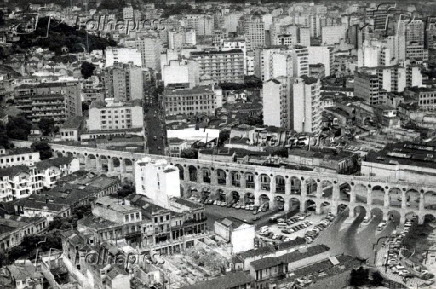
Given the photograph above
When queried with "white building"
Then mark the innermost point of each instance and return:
(320, 54)
(254, 32)
(305, 111)
(157, 180)
(181, 74)
(115, 115)
(122, 55)
(241, 235)
(17, 157)
(333, 34)
(150, 49)
(275, 99)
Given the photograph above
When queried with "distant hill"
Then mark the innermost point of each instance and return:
(60, 36)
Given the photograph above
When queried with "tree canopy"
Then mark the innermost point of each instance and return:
(46, 125)
(18, 128)
(87, 69)
(43, 148)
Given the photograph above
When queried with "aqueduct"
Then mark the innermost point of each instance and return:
(282, 188)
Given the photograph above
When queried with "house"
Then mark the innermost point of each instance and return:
(239, 233)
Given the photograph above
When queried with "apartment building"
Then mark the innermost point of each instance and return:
(111, 115)
(116, 55)
(221, 66)
(275, 99)
(366, 86)
(305, 109)
(426, 97)
(179, 74)
(150, 49)
(20, 181)
(124, 82)
(254, 32)
(15, 228)
(197, 100)
(17, 157)
(58, 100)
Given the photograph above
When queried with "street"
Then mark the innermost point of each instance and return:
(155, 130)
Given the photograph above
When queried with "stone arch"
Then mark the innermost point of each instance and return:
(310, 205)
(312, 187)
(359, 210)
(294, 204)
(221, 176)
(205, 192)
(263, 198)
(342, 209)
(188, 192)
(428, 218)
(295, 186)
(221, 195)
(128, 162)
(249, 198)
(327, 189)
(279, 203)
(377, 213)
(377, 196)
(70, 154)
(345, 192)
(410, 215)
(116, 162)
(193, 173)
(104, 163)
(324, 207)
(265, 182)
(360, 192)
(395, 197)
(412, 199)
(197, 194)
(234, 197)
(430, 200)
(249, 180)
(205, 173)
(181, 171)
(235, 178)
(394, 216)
(280, 184)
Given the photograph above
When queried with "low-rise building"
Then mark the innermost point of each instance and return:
(14, 228)
(18, 157)
(71, 129)
(240, 234)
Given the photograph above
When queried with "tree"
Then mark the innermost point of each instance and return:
(189, 154)
(46, 125)
(4, 139)
(2, 20)
(87, 69)
(43, 148)
(376, 279)
(359, 277)
(18, 128)
(126, 190)
(223, 137)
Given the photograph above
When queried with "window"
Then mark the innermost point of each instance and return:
(126, 218)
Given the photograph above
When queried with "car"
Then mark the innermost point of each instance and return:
(281, 237)
(274, 236)
(251, 207)
(308, 240)
(256, 219)
(286, 231)
(404, 272)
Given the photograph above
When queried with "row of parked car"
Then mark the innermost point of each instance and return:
(286, 225)
(311, 235)
(393, 255)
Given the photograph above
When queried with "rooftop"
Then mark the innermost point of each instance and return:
(212, 52)
(231, 280)
(72, 123)
(195, 90)
(291, 257)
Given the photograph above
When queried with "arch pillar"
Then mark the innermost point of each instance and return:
(110, 165)
(213, 178)
(272, 204)
(229, 179)
(402, 218)
(403, 200)
(200, 176)
(303, 190)
(385, 215)
(386, 199)
(319, 190)
(318, 208)
(336, 192)
(352, 196)
(98, 163)
(242, 180)
(272, 184)
(369, 196)
(87, 162)
(421, 219)
(303, 205)
(287, 186)
(421, 202)
(122, 166)
(287, 205)
(256, 183)
(186, 175)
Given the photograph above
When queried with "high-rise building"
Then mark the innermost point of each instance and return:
(304, 105)
(59, 100)
(275, 99)
(413, 32)
(254, 32)
(366, 86)
(116, 55)
(221, 66)
(150, 48)
(181, 74)
(124, 82)
(320, 54)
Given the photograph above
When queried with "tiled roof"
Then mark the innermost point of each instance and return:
(228, 281)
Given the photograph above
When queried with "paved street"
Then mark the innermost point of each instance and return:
(154, 122)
